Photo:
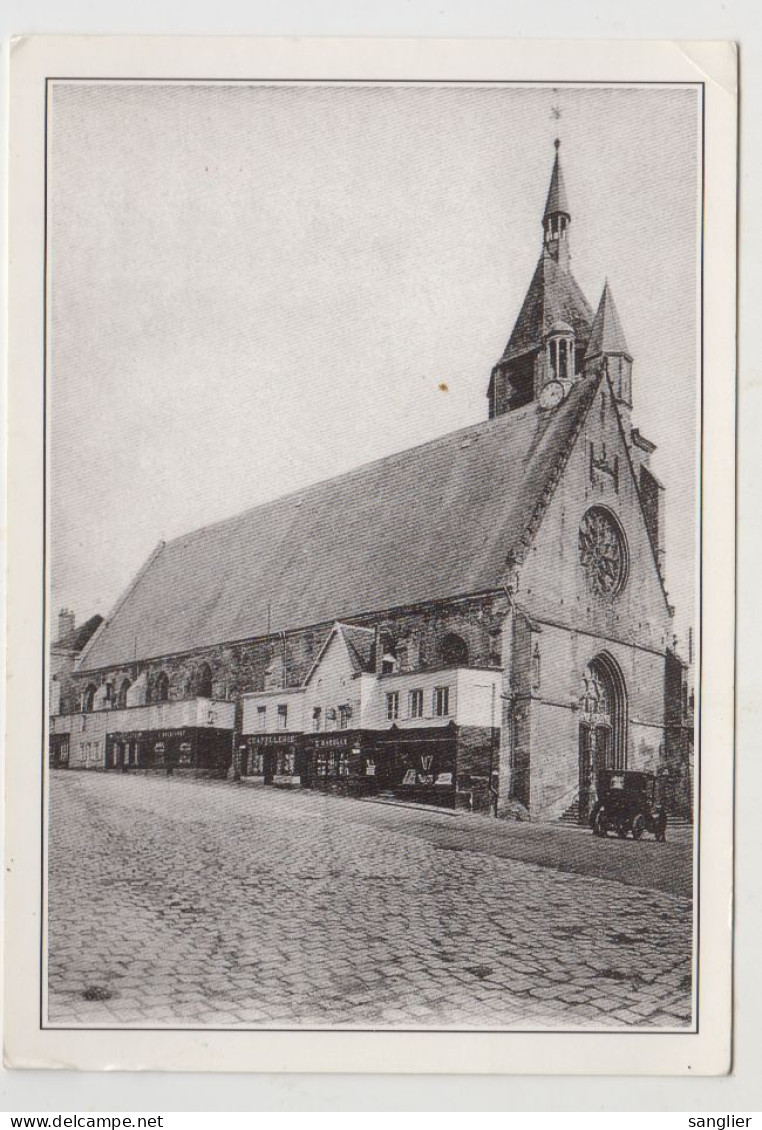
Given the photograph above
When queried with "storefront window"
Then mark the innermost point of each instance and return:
(323, 763)
(287, 763)
(344, 764)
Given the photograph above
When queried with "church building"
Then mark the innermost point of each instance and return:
(479, 622)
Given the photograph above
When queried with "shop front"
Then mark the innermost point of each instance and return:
(272, 759)
(59, 751)
(195, 751)
(340, 762)
(418, 764)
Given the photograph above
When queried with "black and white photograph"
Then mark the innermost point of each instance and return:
(373, 493)
(374, 547)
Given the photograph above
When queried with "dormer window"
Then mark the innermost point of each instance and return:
(389, 664)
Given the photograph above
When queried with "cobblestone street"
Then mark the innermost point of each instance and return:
(190, 903)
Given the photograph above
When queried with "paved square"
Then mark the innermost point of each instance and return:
(176, 903)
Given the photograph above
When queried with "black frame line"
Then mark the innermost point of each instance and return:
(272, 81)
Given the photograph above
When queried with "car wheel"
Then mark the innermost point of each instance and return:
(638, 826)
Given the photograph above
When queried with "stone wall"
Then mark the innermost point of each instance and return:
(239, 668)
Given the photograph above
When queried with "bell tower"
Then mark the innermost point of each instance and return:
(550, 336)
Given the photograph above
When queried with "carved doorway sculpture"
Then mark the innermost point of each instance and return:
(602, 729)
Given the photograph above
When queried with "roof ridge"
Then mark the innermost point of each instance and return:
(587, 397)
(300, 492)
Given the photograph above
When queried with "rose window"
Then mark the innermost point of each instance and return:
(602, 552)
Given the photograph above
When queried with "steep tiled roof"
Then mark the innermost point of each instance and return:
(606, 335)
(431, 522)
(553, 296)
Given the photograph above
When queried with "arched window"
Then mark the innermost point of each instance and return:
(454, 651)
(88, 698)
(121, 698)
(204, 681)
(161, 690)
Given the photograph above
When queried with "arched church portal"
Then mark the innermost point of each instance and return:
(602, 726)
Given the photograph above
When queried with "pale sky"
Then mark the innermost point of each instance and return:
(258, 287)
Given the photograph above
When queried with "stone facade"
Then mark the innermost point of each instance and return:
(571, 637)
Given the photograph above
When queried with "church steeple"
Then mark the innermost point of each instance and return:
(550, 335)
(557, 217)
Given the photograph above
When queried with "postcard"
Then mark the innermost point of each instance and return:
(371, 559)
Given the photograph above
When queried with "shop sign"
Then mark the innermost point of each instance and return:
(159, 735)
(338, 742)
(273, 739)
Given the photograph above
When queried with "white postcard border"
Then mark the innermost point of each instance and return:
(33, 60)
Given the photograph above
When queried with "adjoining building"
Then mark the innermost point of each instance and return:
(63, 693)
(480, 621)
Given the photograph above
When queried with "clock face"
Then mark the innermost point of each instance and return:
(602, 552)
(551, 394)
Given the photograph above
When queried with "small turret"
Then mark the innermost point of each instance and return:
(607, 342)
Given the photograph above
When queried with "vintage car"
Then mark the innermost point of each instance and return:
(629, 802)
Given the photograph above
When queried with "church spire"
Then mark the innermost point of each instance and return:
(557, 217)
(551, 333)
(607, 342)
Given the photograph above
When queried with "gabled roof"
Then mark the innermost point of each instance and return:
(554, 296)
(359, 643)
(361, 647)
(429, 523)
(557, 201)
(76, 640)
(606, 335)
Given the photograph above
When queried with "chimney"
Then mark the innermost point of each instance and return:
(66, 624)
(378, 650)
